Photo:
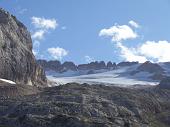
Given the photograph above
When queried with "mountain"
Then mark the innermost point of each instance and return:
(150, 67)
(17, 62)
(110, 73)
(57, 67)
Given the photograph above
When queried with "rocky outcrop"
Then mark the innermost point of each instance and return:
(151, 68)
(93, 66)
(111, 65)
(68, 66)
(17, 62)
(50, 65)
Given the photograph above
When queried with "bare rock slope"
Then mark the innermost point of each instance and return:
(84, 105)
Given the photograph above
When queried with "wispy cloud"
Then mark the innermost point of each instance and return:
(43, 23)
(134, 24)
(89, 59)
(39, 34)
(57, 52)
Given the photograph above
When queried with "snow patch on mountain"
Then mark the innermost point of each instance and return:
(121, 77)
(7, 81)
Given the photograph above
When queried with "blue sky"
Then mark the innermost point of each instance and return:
(76, 34)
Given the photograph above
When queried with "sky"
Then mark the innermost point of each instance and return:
(96, 30)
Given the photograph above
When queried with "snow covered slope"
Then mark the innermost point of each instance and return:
(121, 76)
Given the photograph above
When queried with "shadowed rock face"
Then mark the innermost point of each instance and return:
(151, 68)
(17, 62)
(165, 83)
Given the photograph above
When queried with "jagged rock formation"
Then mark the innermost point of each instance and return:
(122, 64)
(111, 65)
(84, 105)
(68, 66)
(58, 67)
(17, 62)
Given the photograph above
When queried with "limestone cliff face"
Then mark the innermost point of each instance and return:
(17, 62)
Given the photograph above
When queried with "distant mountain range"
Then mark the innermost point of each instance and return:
(107, 73)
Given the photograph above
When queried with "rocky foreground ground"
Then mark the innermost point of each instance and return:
(75, 105)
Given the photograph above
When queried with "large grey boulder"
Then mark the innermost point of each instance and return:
(17, 62)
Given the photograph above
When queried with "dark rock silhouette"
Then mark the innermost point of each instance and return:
(121, 64)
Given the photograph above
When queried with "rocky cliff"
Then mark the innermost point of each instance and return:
(17, 62)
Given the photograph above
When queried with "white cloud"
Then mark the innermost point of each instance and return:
(42, 26)
(89, 59)
(43, 23)
(38, 34)
(159, 51)
(57, 53)
(149, 50)
(119, 33)
(134, 24)
(130, 55)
